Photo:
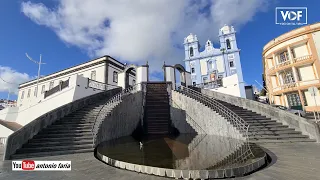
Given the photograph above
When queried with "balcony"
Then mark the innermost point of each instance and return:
(294, 86)
(299, 61)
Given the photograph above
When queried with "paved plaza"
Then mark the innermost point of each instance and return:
(290, 161)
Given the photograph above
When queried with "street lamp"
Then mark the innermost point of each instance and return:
(39, 66)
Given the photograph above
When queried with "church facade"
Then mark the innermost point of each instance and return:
(214, 64)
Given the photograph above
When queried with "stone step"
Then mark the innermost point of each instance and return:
(59, 131)
(46, 135)
(252, 129)
(57, 143)
(53, 153)
(267, 126)
(259, 120)
(255, 117)
(86, 125)
(74, 122)
(68, 121)
(60, 139)
(272, 132)
(281, 136)
(282, 140)
(265, 123)
(52, 148)
(261, 123)
(65, 128)
(159, 110)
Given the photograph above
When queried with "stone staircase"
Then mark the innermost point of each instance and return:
(71, 134)
(157, 109)
(265, 130)
(261, 129)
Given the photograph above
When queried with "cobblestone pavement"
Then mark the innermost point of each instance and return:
(294, 161)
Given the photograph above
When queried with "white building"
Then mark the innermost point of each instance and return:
(104, 69)
(65, 86)
(218, 69)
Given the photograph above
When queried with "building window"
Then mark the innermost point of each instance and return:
(93, 75)
(133, 82)
(22, 95)
(194, 83)
(192, 70)
(43, 88)
(29, 92)
(288, 77)
(228, 44)
(231, 64)
(51, 85)
(283, 57)
(191, 51)
(35, 91)
(293, 99)
(115, 76)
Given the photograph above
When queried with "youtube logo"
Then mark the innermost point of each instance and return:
(28, 165)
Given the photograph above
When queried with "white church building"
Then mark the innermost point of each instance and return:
(218, 69)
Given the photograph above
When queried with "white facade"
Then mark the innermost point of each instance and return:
(104, 70)
(212, 63)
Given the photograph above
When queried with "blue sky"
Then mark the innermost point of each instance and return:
(23, 32)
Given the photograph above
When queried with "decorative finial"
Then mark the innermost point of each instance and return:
(147, 62)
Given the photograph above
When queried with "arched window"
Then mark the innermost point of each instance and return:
(191, 51)
(115, 76)
(228, 44)
(208, 43)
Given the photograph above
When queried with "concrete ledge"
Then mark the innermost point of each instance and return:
(21, 136)
(186, 174)
(287, 118)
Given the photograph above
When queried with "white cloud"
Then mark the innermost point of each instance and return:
(10, 79)
(137, 31)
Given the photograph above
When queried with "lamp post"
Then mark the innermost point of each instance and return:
(39, 66)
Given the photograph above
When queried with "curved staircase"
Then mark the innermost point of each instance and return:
(71, 134)
(261, 129)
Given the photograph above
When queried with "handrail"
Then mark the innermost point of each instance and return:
(221, 109)
(98, 85)
(57, 88)
(116, 98)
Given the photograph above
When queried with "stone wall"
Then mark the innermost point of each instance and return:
(188, 113)
(123, 120)
(293, 121)
(21, 136)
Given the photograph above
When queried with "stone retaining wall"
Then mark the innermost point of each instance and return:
(188, 113)
(123, 120)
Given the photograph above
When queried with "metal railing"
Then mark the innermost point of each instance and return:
(104, 110)
(100, 85)
(212, 84)
(231, 116)
(57, 88)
